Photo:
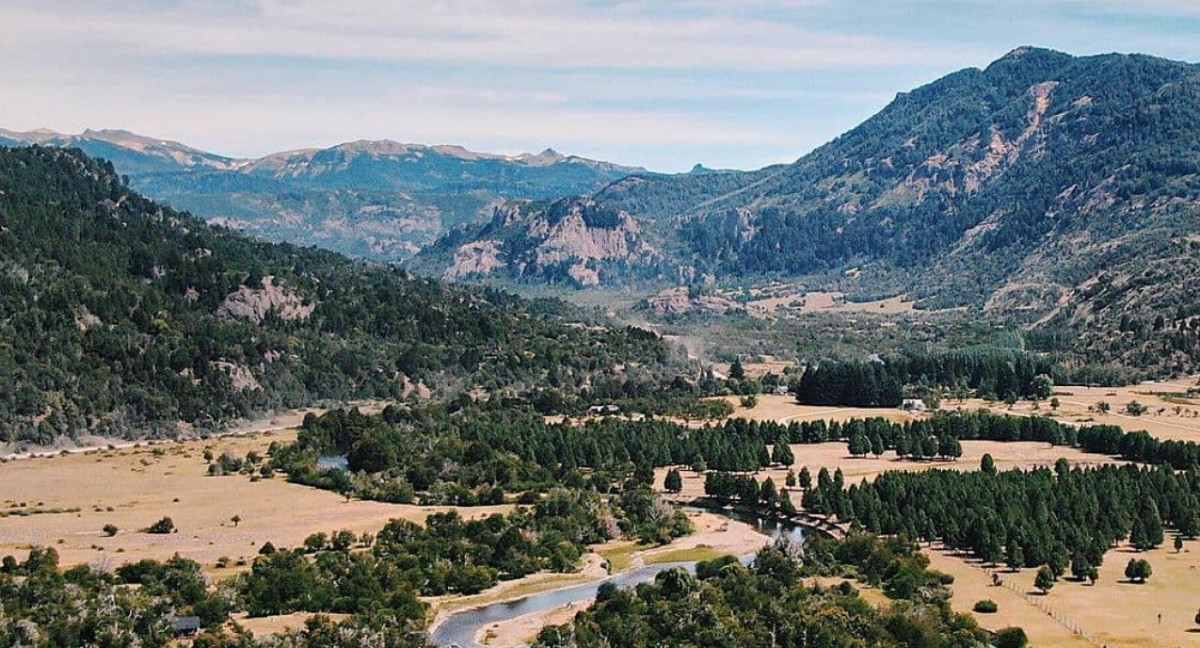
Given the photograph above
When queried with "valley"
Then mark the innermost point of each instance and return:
(909, 358)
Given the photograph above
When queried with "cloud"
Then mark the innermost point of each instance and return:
(515, 33)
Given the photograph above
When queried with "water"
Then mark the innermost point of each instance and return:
(459, 629)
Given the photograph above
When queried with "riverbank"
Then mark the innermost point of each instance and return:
(715, 534)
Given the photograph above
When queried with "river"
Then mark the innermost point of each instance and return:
(460, 628)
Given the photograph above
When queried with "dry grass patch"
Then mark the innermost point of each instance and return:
(114, 487)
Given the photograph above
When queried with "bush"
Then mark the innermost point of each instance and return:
(110, 530)
(1011, 638)
(164, 525)
(986, 606)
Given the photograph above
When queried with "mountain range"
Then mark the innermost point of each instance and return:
(379, 200)
(1055, 191)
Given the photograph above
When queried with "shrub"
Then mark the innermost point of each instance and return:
(165, 525)
(986, 606)
(110, 530)
(1010, 638)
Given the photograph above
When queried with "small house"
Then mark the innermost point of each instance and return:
(912, 405)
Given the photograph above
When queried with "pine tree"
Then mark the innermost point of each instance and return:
(1137, 535)
(782, 454)
(877, 447)
(858, 445)
(1014, 556)
(805, 478)
(736, 370)
(1080, 567)
(673, 482)
(1153, 524)
(768, 494)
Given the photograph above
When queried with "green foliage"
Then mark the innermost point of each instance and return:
(112, 321)
(767, 604)
(1138, 570)
(1010, 638)
(673, 482)
(1044, 580)
(472, 454)
(985, 606)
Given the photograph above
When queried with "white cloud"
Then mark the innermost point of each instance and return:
(520, 33)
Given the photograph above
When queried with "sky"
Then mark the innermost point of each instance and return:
(663, 84)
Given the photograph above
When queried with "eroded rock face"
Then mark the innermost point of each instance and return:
(241, 377)
(674, 302)
(572, 237)
(255, 303)
(475, 259)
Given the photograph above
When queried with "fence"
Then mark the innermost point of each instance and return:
(1040, 603)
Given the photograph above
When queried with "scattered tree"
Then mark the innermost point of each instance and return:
(1044, 580)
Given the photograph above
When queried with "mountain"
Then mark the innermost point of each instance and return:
(122, 317)
(378, 200)
(131, 153)
(1063, 190)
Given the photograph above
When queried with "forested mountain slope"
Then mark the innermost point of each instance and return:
(120, 316)
(1041, 168)
(1063, 190)
(378, 200)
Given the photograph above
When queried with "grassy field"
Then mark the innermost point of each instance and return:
(134, 487)
(1169, 414)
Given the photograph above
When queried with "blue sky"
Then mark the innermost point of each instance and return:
(659, 83)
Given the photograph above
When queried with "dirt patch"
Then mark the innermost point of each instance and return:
(269, 625)
(800, 301)
(522, 630)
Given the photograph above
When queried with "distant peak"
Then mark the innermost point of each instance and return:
(1028, 54)
(1019, 52)
(549, 152)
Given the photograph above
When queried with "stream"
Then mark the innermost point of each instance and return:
(459, 629)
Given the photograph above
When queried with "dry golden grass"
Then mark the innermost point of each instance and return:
(972, 583)
(141, 485)
(785, 409)
(781, 302)
(1122, 614)
(1168, 417)
(833, 455)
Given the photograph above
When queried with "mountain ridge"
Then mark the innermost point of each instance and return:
(1015, 190)
(375, 199)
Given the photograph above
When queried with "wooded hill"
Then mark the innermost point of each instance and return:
(121, 316)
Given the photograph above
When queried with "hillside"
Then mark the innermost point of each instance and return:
(378, 200)
(1062, 190)
(122, 317)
